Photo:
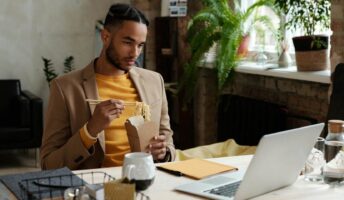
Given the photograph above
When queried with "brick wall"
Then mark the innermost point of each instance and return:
(337, 26)
(151, 8)
(303, 98)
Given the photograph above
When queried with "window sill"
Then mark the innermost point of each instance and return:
(288, 73)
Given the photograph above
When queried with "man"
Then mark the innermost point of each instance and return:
(78, 139)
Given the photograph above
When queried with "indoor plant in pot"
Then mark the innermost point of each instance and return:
(311, 50)
(222, 25)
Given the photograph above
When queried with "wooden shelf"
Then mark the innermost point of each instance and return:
(170, 35)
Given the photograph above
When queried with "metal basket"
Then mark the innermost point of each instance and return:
(53, 187)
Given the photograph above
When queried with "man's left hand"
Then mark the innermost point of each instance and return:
(157, 147)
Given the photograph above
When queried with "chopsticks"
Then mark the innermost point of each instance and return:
(96, 101)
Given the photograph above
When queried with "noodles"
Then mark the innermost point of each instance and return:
(140, 108)
(143, 109)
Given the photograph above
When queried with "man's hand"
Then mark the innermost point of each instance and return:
(103, 114)
(157, 147)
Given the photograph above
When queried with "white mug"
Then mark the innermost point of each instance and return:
(139, 168)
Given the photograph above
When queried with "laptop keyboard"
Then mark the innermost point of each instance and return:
(225, 190)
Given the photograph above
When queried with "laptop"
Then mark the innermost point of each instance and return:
(277, 163)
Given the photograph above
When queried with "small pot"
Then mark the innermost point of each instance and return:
(311, 52)
(243, 47)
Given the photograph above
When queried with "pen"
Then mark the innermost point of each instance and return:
(173, 172)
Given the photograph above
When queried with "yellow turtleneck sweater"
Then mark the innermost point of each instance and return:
(116, 140)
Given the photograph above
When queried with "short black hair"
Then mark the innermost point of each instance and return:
(121, 12)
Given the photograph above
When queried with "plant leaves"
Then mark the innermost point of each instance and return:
(221, 24)
(48, 69)
(68, 64)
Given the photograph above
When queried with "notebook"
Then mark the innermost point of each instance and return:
(197, 168)
(277, 163)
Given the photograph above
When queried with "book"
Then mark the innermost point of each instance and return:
(197, 168)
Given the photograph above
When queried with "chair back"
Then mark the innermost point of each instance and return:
(9, 90)
(336, 106)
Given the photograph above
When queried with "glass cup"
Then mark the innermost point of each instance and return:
(315, 162)
(139, 168)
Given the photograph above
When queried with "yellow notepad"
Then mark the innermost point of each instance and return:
(198, 168)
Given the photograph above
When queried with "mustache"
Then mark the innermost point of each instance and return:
(130, 58)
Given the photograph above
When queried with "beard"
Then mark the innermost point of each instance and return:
(113, 58)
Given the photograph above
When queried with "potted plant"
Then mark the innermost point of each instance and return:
(223, 26)
(311, 50)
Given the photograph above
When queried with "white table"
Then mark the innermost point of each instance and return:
(164, 184)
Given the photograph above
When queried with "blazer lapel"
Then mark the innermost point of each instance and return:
(91, 92)
(89, 84)
(138, 82)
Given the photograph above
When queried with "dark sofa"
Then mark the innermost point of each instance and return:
(21, 117)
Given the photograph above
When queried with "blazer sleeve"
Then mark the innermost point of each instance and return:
(60, 147)
(165, 127)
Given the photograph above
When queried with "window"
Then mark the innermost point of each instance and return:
(261, 38)
(264, 40)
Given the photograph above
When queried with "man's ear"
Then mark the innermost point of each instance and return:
(105, 35)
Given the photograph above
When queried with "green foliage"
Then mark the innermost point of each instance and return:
(50, 72)
(306, 14)
(317, 43)
(218, 23)
(68, 64)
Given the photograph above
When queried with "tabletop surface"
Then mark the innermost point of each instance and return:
(164, 184)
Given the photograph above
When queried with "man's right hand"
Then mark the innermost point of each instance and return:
(103, 114)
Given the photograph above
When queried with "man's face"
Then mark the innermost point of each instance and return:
(125, 44)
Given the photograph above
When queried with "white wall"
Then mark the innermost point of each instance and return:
(55, 29)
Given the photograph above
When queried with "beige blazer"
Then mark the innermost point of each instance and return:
(68, 112)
